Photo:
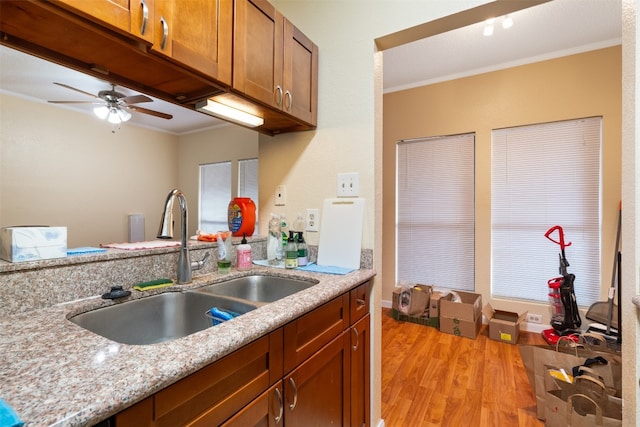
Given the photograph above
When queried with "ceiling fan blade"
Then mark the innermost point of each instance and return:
(77, 90)
(150, 112)
(136, 99)
(76, 102)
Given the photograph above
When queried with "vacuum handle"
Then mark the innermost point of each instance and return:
(561, 238)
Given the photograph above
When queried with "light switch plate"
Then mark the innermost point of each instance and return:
(281, 195)
(348, 184)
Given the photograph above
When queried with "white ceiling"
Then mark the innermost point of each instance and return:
(552, 29)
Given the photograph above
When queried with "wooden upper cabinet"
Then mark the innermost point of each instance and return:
(132, 16)
(273, 62)
(197, 34)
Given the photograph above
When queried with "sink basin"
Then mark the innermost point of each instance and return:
(157, 318)
(258, 288)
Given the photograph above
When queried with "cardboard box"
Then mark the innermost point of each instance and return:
(434, 322)
(462, 318)
(434, 302)
(18, 244)
(412, 301)
(503, 325)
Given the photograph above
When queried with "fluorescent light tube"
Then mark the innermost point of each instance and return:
(228, 113)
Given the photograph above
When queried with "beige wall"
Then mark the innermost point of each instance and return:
(62, 167)
(576, 86)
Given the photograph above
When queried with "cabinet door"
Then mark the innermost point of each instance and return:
(267, 410)
(258, 51)
(196, 33)
(309, 333)
(359, 302)
(360, 370)
(113, 12)
(317, 392)
(300, 75)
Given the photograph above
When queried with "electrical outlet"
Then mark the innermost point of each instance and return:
(534, 318)
(348, 184)
(312, 220)
(281, 195)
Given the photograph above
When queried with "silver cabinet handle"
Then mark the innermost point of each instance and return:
(287, 105)
(357, 344)
(145, 17)
(278, 95)
(361, 302)
(279, 396)
(292, 405)
(165, 33)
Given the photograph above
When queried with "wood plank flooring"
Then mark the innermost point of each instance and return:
(431, 378)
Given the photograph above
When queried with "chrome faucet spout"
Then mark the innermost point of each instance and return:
(166, 232)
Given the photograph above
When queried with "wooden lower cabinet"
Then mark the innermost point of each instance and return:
(314, 371)
(360, 373)
(317, 391)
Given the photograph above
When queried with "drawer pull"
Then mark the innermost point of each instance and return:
(292, 405)
(361, 302)
(165, 33)
(357, 335)
(281, 405)
(287, 105)
(145, 17)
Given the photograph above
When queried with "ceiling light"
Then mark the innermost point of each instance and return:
(101, 111)
(507, 22)
(488, 27)
(228, 113)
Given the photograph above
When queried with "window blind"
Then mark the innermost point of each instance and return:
(435, 211)
(545, 175)
(248, 183)
(215, 194)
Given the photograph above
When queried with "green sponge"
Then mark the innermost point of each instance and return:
(153, 284)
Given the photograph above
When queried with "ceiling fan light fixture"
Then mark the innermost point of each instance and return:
(488, 27)
(225, 112)
(101, 111)
(124, 114)
(507, 22)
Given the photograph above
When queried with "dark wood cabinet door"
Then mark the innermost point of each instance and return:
(317, 391)
(360, 373)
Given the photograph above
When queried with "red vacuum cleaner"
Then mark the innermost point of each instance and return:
(565, 317)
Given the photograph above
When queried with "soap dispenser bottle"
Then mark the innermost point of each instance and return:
(291, 252)
(274, 241)
(302, 250)
(243, 255)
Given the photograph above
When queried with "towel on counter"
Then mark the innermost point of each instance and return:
(85, 250)
(312, 267)
(8, 416)
(142, 245)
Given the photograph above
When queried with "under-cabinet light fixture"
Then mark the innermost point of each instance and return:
(228, 113)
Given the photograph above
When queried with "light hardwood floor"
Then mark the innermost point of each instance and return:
(430, 378)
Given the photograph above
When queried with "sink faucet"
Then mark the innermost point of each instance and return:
(185, 266)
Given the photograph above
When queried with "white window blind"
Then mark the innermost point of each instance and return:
(215, 194)
(248, 183)
(435, 211)
(545, 175)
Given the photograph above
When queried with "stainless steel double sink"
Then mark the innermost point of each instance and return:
(172, 315)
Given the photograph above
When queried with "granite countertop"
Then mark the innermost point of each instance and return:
(55, 373)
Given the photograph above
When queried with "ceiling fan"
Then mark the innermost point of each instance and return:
(114, 106)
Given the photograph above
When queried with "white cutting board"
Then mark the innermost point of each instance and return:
(341, 232)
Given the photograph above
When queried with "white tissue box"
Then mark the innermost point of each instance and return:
(19, 244)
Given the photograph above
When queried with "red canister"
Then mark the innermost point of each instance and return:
(242, 216)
